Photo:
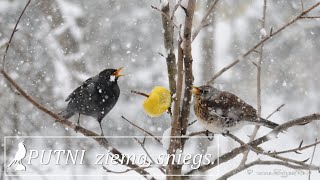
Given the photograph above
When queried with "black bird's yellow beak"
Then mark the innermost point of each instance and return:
(116, 73)
(195, 90)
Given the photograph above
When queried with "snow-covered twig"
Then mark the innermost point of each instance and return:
(268, 37)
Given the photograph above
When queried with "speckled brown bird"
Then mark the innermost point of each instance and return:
(223, 112)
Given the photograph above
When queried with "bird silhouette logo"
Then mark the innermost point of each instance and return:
(20, 155)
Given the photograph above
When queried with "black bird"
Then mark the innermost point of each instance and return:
(95, 97)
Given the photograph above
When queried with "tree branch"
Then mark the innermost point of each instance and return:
(145, 131)
(268, 37)
(100, 140)
(12, 34)
(236, 151)
(167, 25)
(256, 128)
(179, 126)
(204, 22)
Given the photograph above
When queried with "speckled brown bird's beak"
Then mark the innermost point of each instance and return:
(117, 72)
(195, 90)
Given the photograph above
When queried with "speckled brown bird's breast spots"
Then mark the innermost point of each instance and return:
(200, 109)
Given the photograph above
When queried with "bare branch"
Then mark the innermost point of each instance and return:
(166, 16)
(310, 17)
(145, 131)
(312, 156)
(179, 125)
(177, 100)
(196, 133)
(256, 128)
(12, 34)
(125, 171)
(277, 110)
(300, 148)
(300, 16)
(178, 4)
(142, 144)
(302, 6)
(168, 26)
(204, 20)
(236, 151)
(140, 93)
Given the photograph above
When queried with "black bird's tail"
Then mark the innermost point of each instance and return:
(66, 114)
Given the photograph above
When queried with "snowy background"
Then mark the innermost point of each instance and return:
(61, 43)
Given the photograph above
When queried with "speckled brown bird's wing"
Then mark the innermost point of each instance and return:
(227, 102)
(80, 88)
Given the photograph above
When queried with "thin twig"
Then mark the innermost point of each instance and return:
(277, 110)
(302, 6)
(204, 20)
(140, 93)
(196, 133)
(243, 143)
(312, 156)
(300, 148)
(125, 171)
(189, 124)
(12, 34)
(165, 15)
(178, 4)
(145, 131)
(268, 37)
(256, 128)
(142, 144)
(310, 17)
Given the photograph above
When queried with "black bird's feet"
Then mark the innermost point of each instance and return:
(77, 128)
(101, 129)
(225, 133)
(210, 135)
(78, 124)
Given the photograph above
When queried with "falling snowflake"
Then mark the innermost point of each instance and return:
(112, 78)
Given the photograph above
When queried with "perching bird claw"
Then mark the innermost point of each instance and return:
(210, 135)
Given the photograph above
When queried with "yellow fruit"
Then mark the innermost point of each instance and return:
(158, 102)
